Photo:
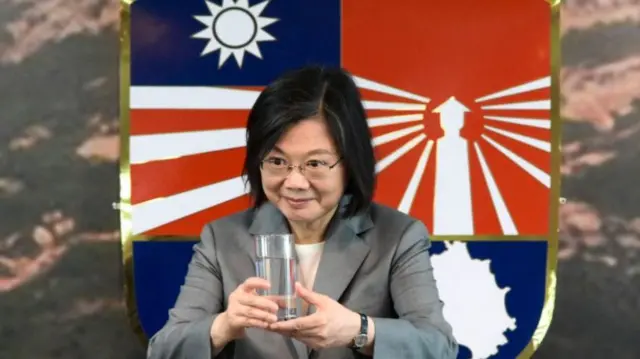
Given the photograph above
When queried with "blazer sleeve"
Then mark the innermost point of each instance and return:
(421, 331)
(186, 333)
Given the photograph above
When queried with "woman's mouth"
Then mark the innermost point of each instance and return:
(297, 202)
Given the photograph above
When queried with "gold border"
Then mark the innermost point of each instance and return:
(554, 220)
(124, 206)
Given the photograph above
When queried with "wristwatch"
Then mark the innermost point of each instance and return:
(361, 339)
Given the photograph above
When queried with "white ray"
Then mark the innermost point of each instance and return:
(394, 106)
(533, 142)
(531, 105)
(504, 217)
(253, 49)
(529, 86)
(205, 20)
(408, 146)
(388, 137)
(393, 120)
(534, 171)
(145, 148)
(211, 47)
(174, 97)
(531, 122)
(378, 87)
(264, 36)
(158, 212)
(214, 9)
(257, 9)
(416, 178)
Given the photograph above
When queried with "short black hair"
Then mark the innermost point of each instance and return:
(304, 93)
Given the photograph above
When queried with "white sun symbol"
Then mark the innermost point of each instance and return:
(234, 28)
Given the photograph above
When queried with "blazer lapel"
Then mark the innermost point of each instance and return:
(343, 254)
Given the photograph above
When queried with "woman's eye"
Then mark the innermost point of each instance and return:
(315, 163)
(277, 161)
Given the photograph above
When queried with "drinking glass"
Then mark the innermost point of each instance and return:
(276, 262)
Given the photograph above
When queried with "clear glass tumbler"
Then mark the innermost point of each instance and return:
(276, 262)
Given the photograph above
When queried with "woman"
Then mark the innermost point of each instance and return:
(369, 287)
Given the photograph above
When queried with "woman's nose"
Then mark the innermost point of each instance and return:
(296, 180)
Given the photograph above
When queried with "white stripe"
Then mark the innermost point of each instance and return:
(387, 161)
(211, 98)
(388, 137)
(529, 86)
(145, 148)
(534, 171)
(532, 105)
(395, 106)
(154, 213)
(393, 120)
(533, 142)
(531, 122)
(504, 217)
(378, 87)
(410, 193)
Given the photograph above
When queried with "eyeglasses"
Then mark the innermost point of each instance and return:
(315, 169)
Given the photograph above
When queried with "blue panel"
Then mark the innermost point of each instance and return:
(163, 51)
(520, 265)
(159, 271)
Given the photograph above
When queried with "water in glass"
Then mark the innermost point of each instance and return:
(276, 262)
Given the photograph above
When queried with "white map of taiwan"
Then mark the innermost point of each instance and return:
(474, 305)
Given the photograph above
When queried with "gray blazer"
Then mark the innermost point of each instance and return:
(376, 263)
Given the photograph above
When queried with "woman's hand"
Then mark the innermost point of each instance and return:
(332, 325)
(246, 309)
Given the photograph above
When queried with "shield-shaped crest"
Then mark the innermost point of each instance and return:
(462, 101)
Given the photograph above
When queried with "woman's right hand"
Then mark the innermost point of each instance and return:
(245, 309)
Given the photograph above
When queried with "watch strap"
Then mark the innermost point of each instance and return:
(364, 324)
(364, 329)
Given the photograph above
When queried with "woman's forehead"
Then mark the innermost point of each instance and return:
(308, 137)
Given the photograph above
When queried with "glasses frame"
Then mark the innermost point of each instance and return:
(301, 167)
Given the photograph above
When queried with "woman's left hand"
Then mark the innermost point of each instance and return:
(332, 324)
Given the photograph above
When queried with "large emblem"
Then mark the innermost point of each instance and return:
(459, 99)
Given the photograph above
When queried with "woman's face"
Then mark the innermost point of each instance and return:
(313, 194)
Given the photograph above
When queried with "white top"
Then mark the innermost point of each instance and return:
(308, 260)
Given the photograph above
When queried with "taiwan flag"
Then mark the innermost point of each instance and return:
(457, 94)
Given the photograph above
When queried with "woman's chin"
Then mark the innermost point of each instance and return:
(299, 214)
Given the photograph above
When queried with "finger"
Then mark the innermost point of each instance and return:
(258, 302)
(314, 332)
(254, 283)
(255, 313)
(309, 296)
(255, 323)
(302, 323)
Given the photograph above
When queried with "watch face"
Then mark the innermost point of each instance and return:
(361, 340)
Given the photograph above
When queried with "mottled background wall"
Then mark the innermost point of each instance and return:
(60, 276)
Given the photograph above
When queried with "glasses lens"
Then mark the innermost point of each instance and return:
(316, 171)
(274, 167)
